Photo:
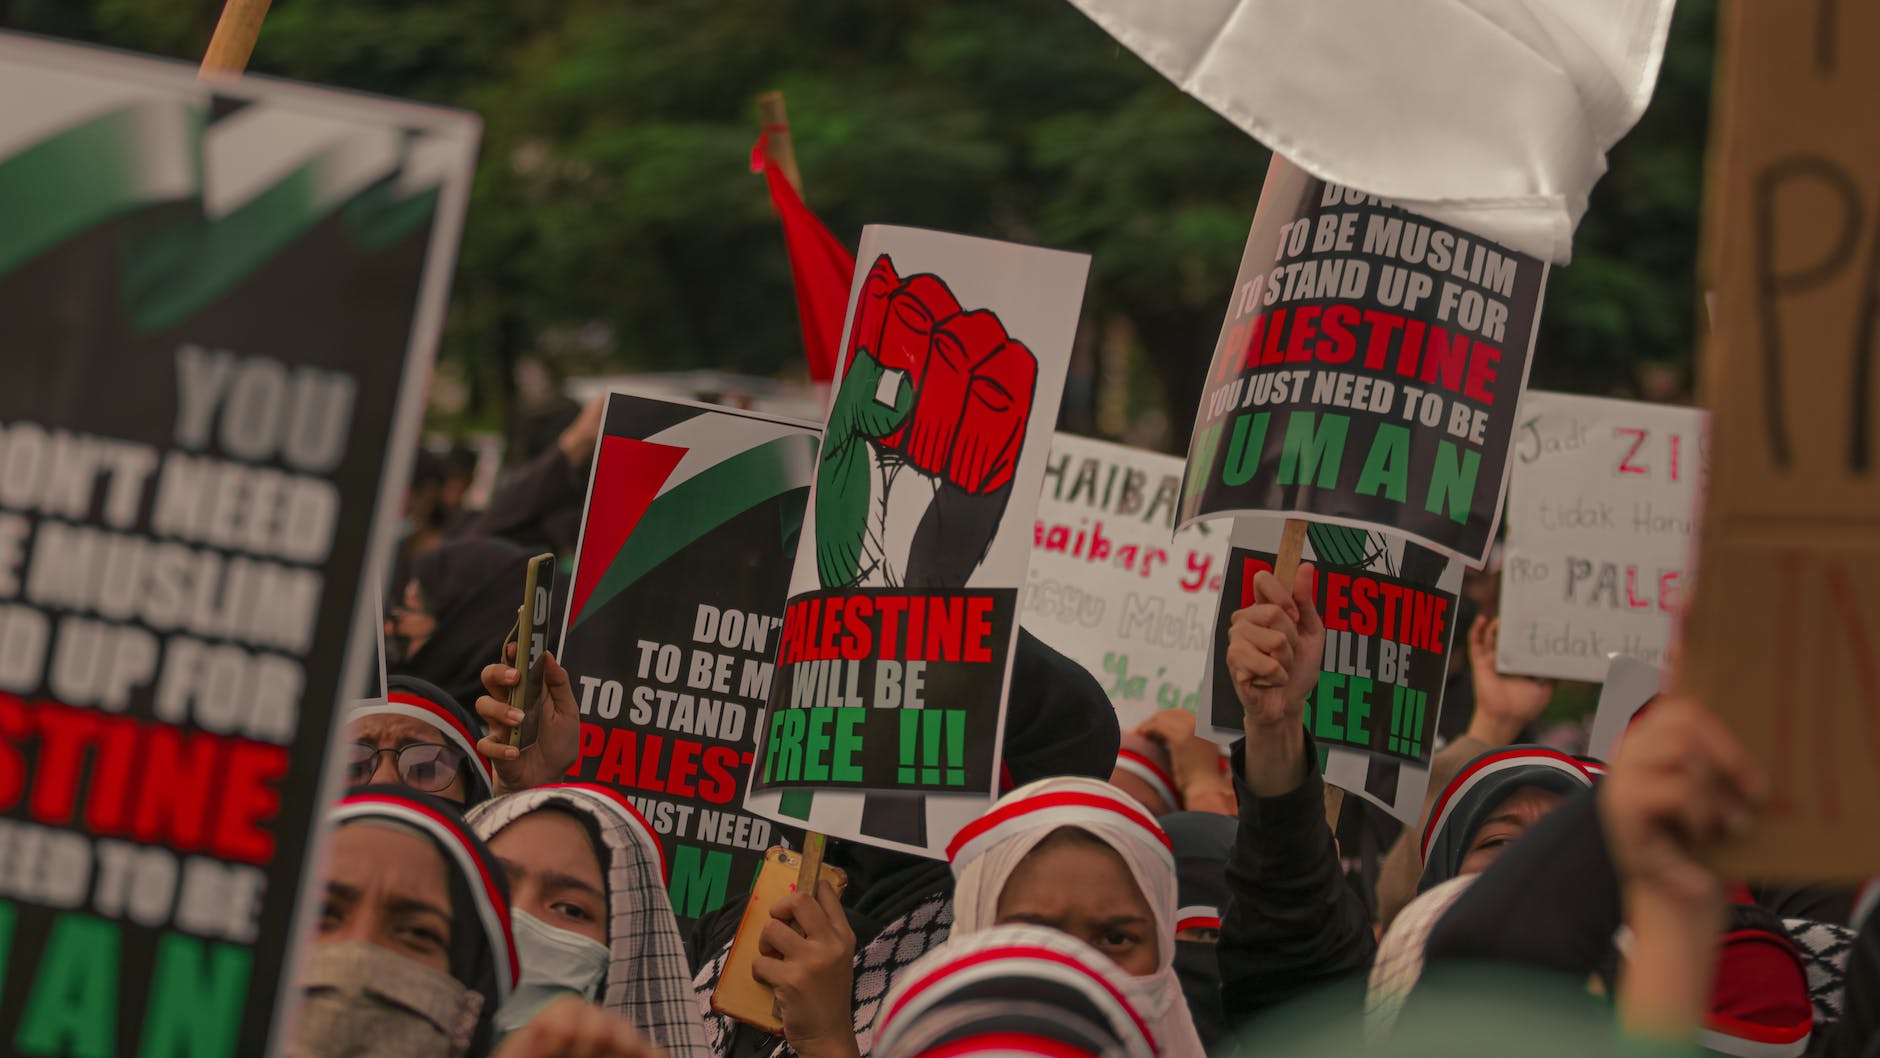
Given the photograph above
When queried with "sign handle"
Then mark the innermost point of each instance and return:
(234, 39)
(809, 872)
(776, 125)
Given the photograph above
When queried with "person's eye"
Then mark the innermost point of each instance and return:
(330, 916)
(573, 911)
(422, 937)
(1117, 938)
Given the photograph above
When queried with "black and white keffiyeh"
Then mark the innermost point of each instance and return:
(647, 976)
(896, 947)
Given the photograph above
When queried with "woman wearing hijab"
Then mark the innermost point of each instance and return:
(1014, 991)
(1082, 857)
(898, 906)
(1490, 803)
(1202, 841)
(455, 613)
(419, 737)
(591, 917)
(413, 953)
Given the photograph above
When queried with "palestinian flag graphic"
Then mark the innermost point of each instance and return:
(692, 521)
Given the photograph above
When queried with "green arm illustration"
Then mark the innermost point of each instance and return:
(842, 475)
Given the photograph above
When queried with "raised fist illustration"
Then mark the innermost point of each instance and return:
(923, 439)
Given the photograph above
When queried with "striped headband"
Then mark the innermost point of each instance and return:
(1060, 808)
(1143, 768)
(1197, 916)
(1493, 764)
(1747, 1039)
(610, 800)
(466, 852)
(1007, 961)
(441, 717)
(1002, 1044)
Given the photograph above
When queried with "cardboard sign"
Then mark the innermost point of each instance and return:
(896, 645)
(1388, 608)
(1603, 502)
(1793, 528)
(1630, 683)
(1109, 588)
(692, 520)
(1368, 371)
(220, 308)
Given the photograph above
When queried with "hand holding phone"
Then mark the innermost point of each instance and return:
(532, 643)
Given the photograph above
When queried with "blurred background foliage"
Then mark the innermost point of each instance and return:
(615, 225)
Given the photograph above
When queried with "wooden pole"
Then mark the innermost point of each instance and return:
(776, 123)
(234, 39)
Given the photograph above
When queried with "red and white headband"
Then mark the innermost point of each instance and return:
(492, 910)
(1128, 760)
(1090, 805)
(1486, 768)
(443, 719)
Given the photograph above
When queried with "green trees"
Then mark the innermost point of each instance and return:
(614, 222)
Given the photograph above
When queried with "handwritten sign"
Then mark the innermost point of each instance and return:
(1782, 641)
(1603, 501)
(1113, 586)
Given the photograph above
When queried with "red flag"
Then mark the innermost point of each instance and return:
(820, 266)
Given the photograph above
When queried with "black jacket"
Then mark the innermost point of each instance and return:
(1292, 925)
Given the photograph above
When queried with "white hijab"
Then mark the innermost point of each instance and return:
(986, 852)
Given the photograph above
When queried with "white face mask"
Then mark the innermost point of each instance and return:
(555, 962)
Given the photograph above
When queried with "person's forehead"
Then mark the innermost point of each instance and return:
(549, 841)
(389, 862)
(393, 729)
(1527, 801)
(1073, 877)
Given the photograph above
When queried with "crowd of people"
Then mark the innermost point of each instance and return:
(1132, 893)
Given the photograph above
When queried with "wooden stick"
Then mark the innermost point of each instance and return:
(809, 872)
(234, 39)
(1334, 804)
(1292, 545)
(776, 122)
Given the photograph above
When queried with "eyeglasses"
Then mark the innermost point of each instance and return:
(423, 766)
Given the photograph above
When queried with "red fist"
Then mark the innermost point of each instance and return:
(973, 383)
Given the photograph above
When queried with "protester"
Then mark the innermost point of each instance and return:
(1503, 710)
(1015, 990)
(1292, 924)
(413, 953)
(1202, 842)
(538, 504)
(1169, 768)
(1080, 856)
(897, 906)
(1494, 800)
(591, 917)
(418, 737)
(454, 614)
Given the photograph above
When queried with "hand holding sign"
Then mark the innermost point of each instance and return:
(557, 741)
(807, 955)
(1275, 649)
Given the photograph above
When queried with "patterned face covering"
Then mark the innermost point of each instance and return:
(362, 1001)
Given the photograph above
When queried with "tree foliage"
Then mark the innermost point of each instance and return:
(613, 201)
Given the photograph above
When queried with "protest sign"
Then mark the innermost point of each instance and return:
(1603, 500)
(1113, 586)
(896, 646)
(1367, 371)
(1789, 534)
(679, 578)
(221, 305)
(1630, 683)
(1388, 606)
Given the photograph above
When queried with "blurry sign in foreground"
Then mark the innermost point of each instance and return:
(221, 305)
(1782, 640)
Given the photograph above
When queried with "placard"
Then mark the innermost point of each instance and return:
(220, 305)
(1368, 371)
(1388, 608)
(1604, 498)
(1792, 532)
(896, 648)
(1113, 587)
(691, 524)
(1630, 683)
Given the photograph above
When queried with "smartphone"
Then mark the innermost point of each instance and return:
(740, 995)
(531, 643)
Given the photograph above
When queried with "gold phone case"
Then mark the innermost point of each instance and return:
(738, 994)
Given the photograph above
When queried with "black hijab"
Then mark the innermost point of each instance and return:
(472, 588)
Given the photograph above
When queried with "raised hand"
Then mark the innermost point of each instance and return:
(1504, 705)
(557, 739)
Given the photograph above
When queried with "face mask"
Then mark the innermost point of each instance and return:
(555, 962)
(361, 1001)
